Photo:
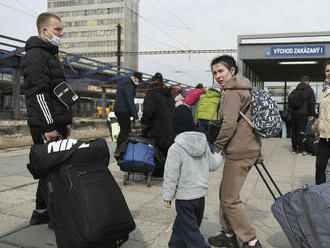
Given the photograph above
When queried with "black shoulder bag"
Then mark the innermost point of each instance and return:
(215, 125)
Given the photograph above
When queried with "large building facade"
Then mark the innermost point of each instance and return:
(91, 28)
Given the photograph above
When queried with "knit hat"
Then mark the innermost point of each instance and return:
(182, 120)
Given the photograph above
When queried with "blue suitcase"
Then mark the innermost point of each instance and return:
(303, 214)
(139, 157)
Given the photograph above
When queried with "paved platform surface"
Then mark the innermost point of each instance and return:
(153, 220)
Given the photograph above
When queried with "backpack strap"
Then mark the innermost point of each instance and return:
(238, 89)
(243, 112)
(218, 106)
(216, 111)
(246, 118)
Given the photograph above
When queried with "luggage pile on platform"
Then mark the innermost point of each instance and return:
(138, 154)
(85, 205)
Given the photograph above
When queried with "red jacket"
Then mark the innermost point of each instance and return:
(193, 95)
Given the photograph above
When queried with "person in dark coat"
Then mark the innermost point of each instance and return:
(157, 77)
(301, 115)
(124, 105)
(47, 116)
(156, 122)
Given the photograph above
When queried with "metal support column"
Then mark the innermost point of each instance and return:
(104, 101)
(284, 102)
(238, 58)
(16, 93)
(118, 48)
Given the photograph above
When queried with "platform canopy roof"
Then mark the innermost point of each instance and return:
(286, 56)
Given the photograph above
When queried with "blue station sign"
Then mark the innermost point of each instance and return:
(295, 51)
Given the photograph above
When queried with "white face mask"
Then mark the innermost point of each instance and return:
(135, 80)
(55, 40)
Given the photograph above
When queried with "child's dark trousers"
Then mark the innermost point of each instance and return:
(189, 217)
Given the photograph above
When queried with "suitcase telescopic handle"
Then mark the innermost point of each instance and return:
(265, 181)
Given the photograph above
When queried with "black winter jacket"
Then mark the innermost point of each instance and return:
(308, 106)
(158, 108)
(42, 72)
(124, 99)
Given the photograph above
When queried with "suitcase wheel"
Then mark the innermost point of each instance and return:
(148, 179)
(126, 178)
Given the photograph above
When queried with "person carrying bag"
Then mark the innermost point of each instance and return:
(214, 126)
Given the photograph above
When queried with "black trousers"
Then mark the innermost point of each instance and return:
(322, 157)
(125, 127)
(37, 133)
(186, 233)
(298, 125)
(160, 164)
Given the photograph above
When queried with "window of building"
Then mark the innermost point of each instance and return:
(106, 43)
(79, 2)
(89, 12)
(91, 33)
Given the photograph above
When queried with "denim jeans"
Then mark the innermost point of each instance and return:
(203, 127)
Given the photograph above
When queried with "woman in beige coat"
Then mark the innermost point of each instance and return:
(241, 147)
(322, 127)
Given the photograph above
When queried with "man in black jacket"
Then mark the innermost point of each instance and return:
(303, 110)
(47, 116)
(124, 105)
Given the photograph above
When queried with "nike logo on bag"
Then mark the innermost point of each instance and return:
(64, 145)
(83, 145)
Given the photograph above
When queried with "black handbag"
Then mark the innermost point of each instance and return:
(213, 131)
(214, 126)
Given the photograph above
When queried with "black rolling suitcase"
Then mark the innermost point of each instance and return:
(86, 206)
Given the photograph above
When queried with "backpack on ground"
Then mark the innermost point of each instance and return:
(265, 115)
(296, 99)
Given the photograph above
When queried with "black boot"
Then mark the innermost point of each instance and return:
(222, 240)
(39, 218)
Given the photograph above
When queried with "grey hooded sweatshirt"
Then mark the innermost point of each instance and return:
(187, 167)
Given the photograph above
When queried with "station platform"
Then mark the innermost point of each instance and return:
(153, 220)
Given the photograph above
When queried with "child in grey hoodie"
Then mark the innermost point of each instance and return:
(186, 177)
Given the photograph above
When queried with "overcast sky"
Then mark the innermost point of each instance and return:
(190, 24)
